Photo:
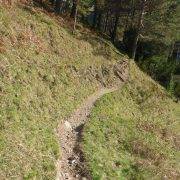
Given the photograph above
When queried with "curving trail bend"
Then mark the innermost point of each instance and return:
(72, 166)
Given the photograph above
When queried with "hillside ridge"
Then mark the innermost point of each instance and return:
(46, 72)
(46, 75)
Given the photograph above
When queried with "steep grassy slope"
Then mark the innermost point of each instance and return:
(134, 133)
(45, 72)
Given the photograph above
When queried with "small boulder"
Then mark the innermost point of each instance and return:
(68, 125)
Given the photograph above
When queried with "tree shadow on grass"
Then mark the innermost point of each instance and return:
(100, 43)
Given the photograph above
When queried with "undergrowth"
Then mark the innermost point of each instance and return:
(45, 73)
(133, 133)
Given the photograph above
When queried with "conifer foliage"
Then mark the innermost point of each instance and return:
(139, 19)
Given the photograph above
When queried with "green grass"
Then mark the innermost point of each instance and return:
(45, 73)
(133, 133)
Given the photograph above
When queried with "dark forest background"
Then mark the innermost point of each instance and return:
(147, 30)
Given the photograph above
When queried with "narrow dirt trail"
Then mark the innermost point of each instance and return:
(71, 166)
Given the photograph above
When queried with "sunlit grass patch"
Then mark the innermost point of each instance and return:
(45, 73)
(132, 133)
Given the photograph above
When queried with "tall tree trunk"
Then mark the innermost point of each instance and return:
(95, 14)
(66, 6)
(99, 20)
(139, 28)
(58, 4)
(132, 13)
(75, 21)
(74, 9)
(106, 21)
(110, 26)
(74, 13)
(114, 32)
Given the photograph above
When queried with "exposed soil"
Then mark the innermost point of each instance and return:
(72, 166)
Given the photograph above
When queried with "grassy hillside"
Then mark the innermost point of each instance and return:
(45, 72)
(134, 133)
